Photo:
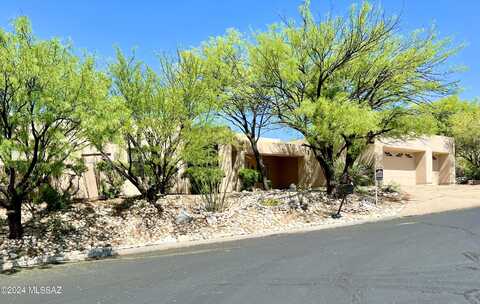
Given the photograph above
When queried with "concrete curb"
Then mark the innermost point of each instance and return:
(105, 252)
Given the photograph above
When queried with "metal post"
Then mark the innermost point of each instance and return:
(376, 182)
(338, 215)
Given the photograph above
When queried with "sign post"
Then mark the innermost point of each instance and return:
(343, 191)
(378, 178)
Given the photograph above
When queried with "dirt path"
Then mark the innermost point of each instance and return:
(431, 199)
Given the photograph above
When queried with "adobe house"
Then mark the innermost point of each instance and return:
(428, 160)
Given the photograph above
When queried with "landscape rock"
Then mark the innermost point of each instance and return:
(183, 217)
(95, 229)
(211, 219)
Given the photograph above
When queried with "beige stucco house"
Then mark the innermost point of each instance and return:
(421, 161)
(428, 160)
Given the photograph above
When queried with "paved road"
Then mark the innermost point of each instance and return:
(427, 259)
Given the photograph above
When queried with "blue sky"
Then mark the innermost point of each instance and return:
(163, 26)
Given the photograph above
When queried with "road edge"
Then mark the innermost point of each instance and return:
(106, 252)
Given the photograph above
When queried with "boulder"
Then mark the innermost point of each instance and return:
(183, 217)
(211, 219)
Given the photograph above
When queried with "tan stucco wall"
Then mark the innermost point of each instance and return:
(291, 161)
(423, 149)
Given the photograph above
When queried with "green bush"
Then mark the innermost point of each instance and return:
(204, 179)
(248, 177)
(391, 188)
(271, 202)
(60, 189)
(361, 172)
(362, 190)
(55, 200)
(110, 181)
(472, 172)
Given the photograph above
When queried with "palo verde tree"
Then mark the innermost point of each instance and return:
(465, 128)
(444, 109)
(45, 93)
(343, 82)
(246, 104)
(158, 120)
(460, 119)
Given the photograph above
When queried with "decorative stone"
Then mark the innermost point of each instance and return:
(96, 228)
(183, 217)
(211, 220)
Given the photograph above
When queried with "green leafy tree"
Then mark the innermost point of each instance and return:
(444, 109)
(344, 82)
(246, 104)
(46, 93)
(459, 119)
(158, 122)
(465, 128)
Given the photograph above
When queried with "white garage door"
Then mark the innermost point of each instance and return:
(399, 168)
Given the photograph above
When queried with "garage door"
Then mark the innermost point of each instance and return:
(400, 168)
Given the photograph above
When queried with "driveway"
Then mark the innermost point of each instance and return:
(431, 199)
(420, 259)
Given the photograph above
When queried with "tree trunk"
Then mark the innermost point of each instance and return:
(14, 219)
(151, 195)
(261, 166)
(349, 161)
(330, 183)
(328, 173)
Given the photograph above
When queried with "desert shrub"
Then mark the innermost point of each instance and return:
(56, 200)
(110, 181)
(248, 177)
(472, 172)
(204, 179)
(391, 187)
(362, 190)
(207, 181)
(361, 173)
(270, 202)
(59, 190)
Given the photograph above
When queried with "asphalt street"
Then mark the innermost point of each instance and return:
(423, 259)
